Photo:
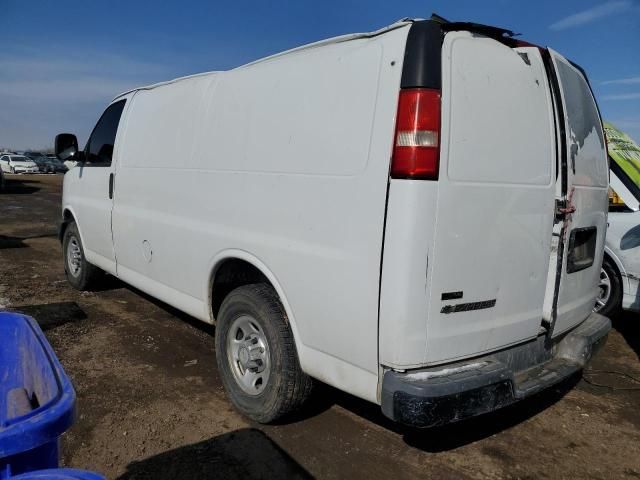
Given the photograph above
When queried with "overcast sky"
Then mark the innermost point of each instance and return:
(62, 62)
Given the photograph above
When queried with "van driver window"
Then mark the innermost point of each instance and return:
(100, 145)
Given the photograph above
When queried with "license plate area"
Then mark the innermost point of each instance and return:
(582, 249)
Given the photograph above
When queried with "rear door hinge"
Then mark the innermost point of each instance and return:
(563, 209)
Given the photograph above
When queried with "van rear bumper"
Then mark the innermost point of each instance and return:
(448, 393)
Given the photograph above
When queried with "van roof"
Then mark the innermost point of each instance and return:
(339, 39)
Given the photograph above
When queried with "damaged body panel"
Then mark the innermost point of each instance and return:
(432, 397)
(587, 199)
(513, 260)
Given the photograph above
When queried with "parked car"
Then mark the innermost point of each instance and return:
(391, 213)
(49, 165)
(43, 165)
(17, 164)
(58, 166)
(52, 158)
(619, 286)
(37, 157)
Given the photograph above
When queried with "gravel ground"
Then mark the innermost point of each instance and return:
(150, 403)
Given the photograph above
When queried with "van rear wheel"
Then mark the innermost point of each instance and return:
(80, 274)
(256, 355)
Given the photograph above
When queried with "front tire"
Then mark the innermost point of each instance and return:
(256, 355)
(609, 300)
(81, 274)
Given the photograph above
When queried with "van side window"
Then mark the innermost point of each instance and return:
(99, 149)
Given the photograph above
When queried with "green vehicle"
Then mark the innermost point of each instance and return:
(624, 152)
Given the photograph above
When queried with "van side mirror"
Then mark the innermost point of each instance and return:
(66, 147)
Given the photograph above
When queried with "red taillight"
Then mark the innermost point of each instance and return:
(416, 144)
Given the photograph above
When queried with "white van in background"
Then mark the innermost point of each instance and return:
(414, 215)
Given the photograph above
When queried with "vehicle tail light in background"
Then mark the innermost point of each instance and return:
(416, 149)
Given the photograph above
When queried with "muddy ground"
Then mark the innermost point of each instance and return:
(150, 403)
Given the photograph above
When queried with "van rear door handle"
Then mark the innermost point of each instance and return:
(111, 186)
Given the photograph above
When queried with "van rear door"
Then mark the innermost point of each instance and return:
(489, 262)
(582, 209)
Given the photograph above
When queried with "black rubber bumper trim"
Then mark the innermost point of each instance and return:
(428, 398)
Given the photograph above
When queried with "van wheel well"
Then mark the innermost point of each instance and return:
(67, 218)
(231, 274)
(608, 258)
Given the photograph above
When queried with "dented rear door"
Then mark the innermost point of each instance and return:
(583, 208)
(489, 262)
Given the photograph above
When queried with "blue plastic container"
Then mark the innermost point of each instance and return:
(59, 474)
(37, 400)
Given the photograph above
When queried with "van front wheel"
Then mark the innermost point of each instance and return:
(80, 273)
(256, 355)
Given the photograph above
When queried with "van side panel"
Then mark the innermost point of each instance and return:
(406, 276)
(149, 196)
(286, 159)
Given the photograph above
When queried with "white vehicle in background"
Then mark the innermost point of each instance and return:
(17, 164)
(620, 275)
(414, 215)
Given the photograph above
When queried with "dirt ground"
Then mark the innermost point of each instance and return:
(150, 403)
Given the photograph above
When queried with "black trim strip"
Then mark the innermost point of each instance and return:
(451, 296)
(422, 65)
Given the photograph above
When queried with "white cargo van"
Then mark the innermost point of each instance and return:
(415, 216)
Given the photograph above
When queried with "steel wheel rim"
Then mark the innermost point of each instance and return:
(604, 293)
(74, 256)
(248, 355)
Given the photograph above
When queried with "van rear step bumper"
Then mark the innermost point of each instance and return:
(445, 394)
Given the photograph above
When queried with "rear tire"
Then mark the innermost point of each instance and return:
(81, 274)
(256, 355)
(609, 299)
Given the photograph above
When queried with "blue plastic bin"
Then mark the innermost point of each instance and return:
(59, 474)
(37, 400)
